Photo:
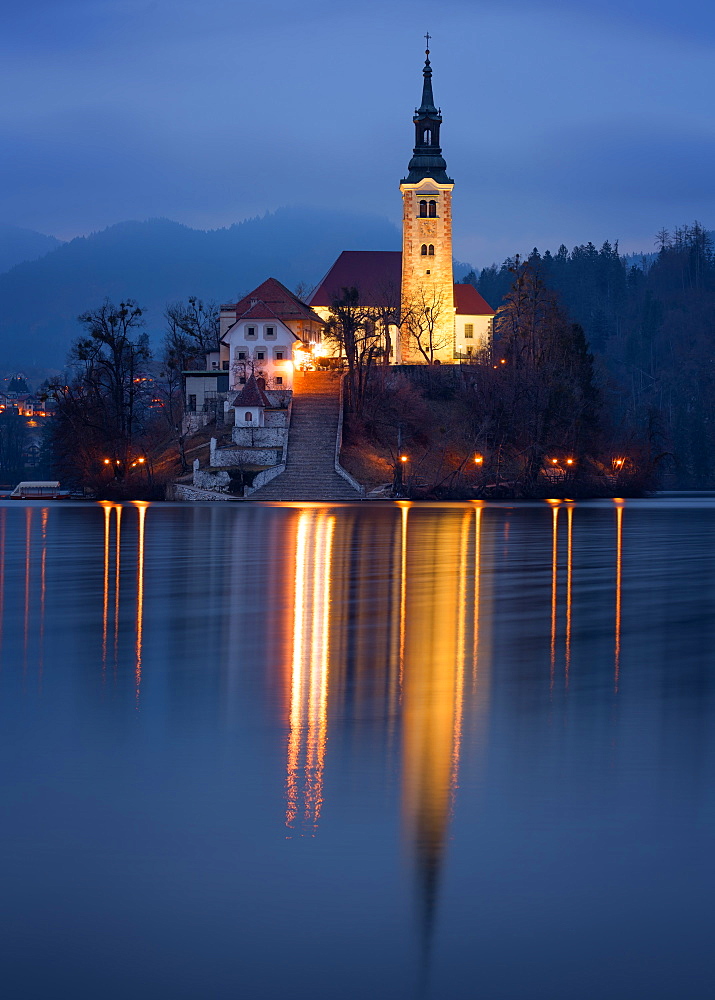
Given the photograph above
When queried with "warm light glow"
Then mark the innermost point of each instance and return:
(569, 582)
(403, 458)
(106, 461)
(141, 461)
(308, 721)
(569, 461)
(554, 461)
(479, 459)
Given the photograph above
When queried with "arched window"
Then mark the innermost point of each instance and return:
(423, 210)
(431, 250)
(424, 250)
(248, 417)
(433, 210)
(427, 136)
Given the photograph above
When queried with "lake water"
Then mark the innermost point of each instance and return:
(360, 751)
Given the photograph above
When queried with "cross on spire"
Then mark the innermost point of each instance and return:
(427, 36)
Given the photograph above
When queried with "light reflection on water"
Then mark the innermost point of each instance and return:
(522, 696)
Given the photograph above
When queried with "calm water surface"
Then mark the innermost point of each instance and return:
(360, 751)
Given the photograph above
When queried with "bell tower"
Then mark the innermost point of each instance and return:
(427, 295)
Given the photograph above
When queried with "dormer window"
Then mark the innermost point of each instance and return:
(433, 210)
(423, 210)
(250, 331)
(423, 251)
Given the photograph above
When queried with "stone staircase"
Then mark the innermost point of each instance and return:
(310, 470)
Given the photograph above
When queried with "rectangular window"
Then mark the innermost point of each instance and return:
(241, 355)
(470, 350)
(250, 331)
(225, 366)
(279, 380)
(242, 380)
(192, 404)
(468, 331)
(279, 355)
(260, 355)
(270, 331)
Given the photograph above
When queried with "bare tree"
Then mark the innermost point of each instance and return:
(424, 323)
(353, 327)
(194, 324)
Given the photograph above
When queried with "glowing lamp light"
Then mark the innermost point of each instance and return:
(569, 461)
(502, 362)
(403, 458)
(479, 459)
(107, 462)
(554, 461)
(141, 461)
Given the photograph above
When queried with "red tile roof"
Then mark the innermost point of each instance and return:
(259, 311)
(468, 302)
(251, 395)
(284, 303)
(377, 275)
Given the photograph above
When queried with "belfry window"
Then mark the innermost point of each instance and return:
(431, 250)
(433, 210)
(424, 250)
(427, 136)
(423, 210)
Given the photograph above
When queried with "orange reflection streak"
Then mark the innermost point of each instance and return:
(404, 511)
(461, 646)
(141, 506)
(569, 578)
(294, 737)
(43, 566)
(477, 584)
(619, 567)
(554, 583)
(28, 540)
(105, 597)
(310, 669)
(117, 564)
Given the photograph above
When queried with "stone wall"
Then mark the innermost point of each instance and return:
(435, 289)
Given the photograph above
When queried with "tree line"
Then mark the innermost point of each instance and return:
(119, 405)
(651, 327)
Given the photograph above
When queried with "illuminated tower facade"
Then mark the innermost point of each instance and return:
(428, 331)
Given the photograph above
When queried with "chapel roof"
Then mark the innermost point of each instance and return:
(285, 305)
(377, 275)
(468, 302)
(251, 395)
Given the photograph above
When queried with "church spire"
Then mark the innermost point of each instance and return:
(427, 159)
(427, 105)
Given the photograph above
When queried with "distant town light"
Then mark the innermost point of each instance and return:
(106, 461)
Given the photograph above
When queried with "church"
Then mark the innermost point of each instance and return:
(427, 318)
(419, 313)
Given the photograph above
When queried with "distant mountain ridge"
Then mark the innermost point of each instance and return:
(18, 245)
(160, 261)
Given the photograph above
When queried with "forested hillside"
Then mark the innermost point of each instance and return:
(652, 329)
(160, 261)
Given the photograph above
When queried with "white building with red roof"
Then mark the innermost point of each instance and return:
(267, 333)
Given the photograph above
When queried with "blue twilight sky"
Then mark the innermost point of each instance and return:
(565, 120)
